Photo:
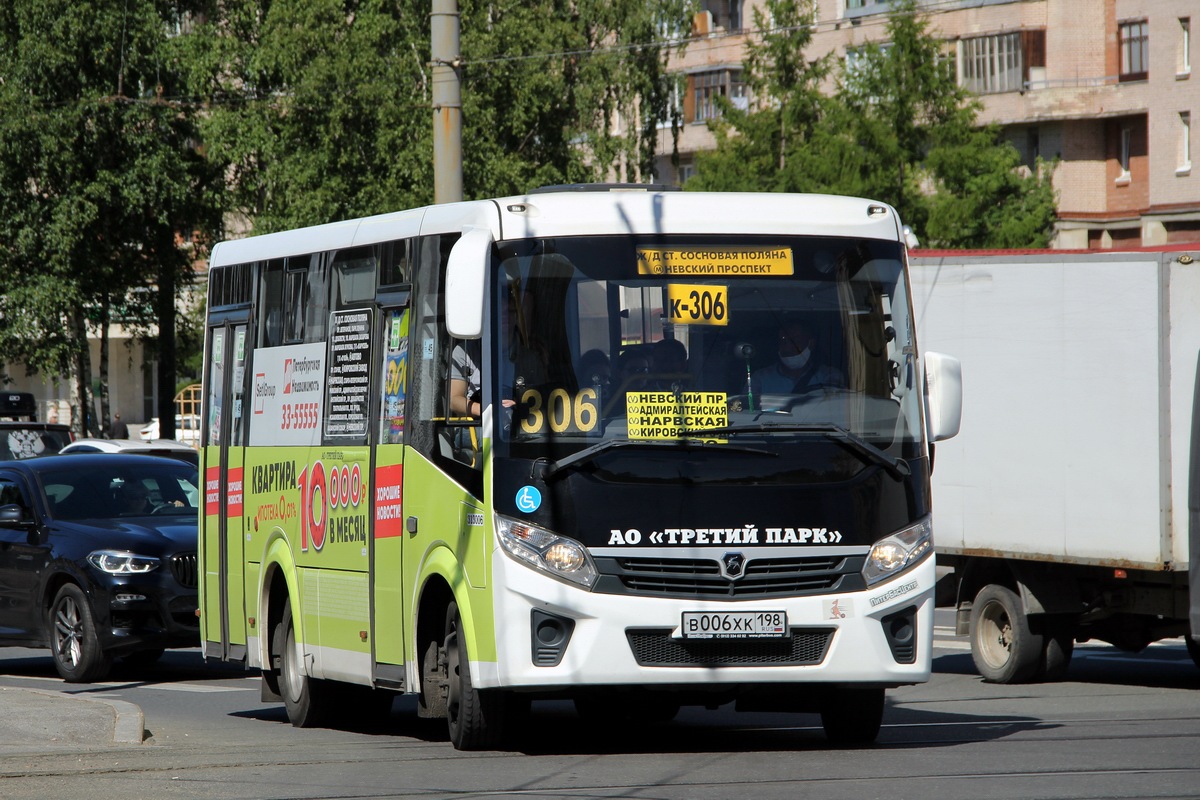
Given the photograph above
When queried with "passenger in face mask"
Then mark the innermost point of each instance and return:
(799, 368)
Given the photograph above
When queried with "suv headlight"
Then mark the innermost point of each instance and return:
(116, 562)
(557, 556)
(898, 552)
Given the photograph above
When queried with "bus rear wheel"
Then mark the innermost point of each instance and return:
(307, 700)
(476, 719)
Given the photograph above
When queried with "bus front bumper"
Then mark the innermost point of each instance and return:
(550, 635)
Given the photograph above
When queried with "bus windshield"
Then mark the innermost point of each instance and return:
(721, 341)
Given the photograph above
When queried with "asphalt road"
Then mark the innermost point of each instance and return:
(1120, 726)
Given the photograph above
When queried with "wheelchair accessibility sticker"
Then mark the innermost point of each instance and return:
(529, 499)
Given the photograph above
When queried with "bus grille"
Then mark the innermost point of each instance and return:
(184, 569)
(656, 648)
(698, 577)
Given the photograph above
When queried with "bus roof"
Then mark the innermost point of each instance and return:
(578, 213)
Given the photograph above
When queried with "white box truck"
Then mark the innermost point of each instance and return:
(1068, 508)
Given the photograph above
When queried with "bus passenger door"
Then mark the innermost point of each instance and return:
(388, 487)
(224, 437)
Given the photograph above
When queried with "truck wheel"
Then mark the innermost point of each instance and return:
(1193, 648)
(74, 642)
(306, 699)
(852, 716)
(475, 718)
(1003, 647)
(1056, 656)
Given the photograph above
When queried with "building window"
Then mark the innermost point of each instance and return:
(1185, 143)
(675, 106)
(857, 5)
(726, 14)
(992, 64)
(708, 86)
(1185, 46)
(1135, 53)
(686, 171)
(1124, 154)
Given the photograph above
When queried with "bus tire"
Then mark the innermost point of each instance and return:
(475, 718)
(74, 640)
(306, 699)
(1003, 647)
(852, 716)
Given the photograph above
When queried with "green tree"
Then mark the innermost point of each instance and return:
(767, 147)
(322, 108)
(101, 186)
(984, 197)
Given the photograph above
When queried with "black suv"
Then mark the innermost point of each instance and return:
(98, 558)
(21, 435)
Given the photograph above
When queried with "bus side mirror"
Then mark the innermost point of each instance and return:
(465, 272)
(943, 395)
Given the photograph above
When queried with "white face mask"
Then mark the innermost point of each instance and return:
(797, 361)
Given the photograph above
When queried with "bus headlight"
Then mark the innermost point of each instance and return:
(898, 552)
(557, 556)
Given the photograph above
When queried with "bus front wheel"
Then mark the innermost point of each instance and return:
(475, 718)
(852, 716)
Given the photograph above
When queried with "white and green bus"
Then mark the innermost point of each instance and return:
(689, 463)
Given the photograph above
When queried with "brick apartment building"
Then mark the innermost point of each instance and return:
(1103, 86)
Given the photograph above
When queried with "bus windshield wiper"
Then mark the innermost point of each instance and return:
(896, 467)
(591, 453)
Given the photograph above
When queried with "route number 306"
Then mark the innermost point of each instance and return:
(560, 412)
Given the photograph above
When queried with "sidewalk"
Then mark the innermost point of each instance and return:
(32, 720)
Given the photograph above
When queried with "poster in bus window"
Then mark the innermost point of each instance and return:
(348, 384)
(395, 377)
(289, 394)
(216, 380)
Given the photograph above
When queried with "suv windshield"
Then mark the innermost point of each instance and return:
(738, 342)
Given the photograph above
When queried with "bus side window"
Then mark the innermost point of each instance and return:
(296, 290)
(316, 308)
(354, 276)
(270, 305)
(306, 298)
(395, 265)
(429, 367)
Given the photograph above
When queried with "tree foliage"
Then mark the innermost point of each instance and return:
(766, 148)
(322, 108)
(897, 127)
(125, 127)
(101, 184)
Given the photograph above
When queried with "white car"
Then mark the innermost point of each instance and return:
(187, 429)
(150, 447)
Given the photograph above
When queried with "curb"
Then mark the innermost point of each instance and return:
(129, 726)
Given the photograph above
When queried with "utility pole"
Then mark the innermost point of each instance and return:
(447, 102)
